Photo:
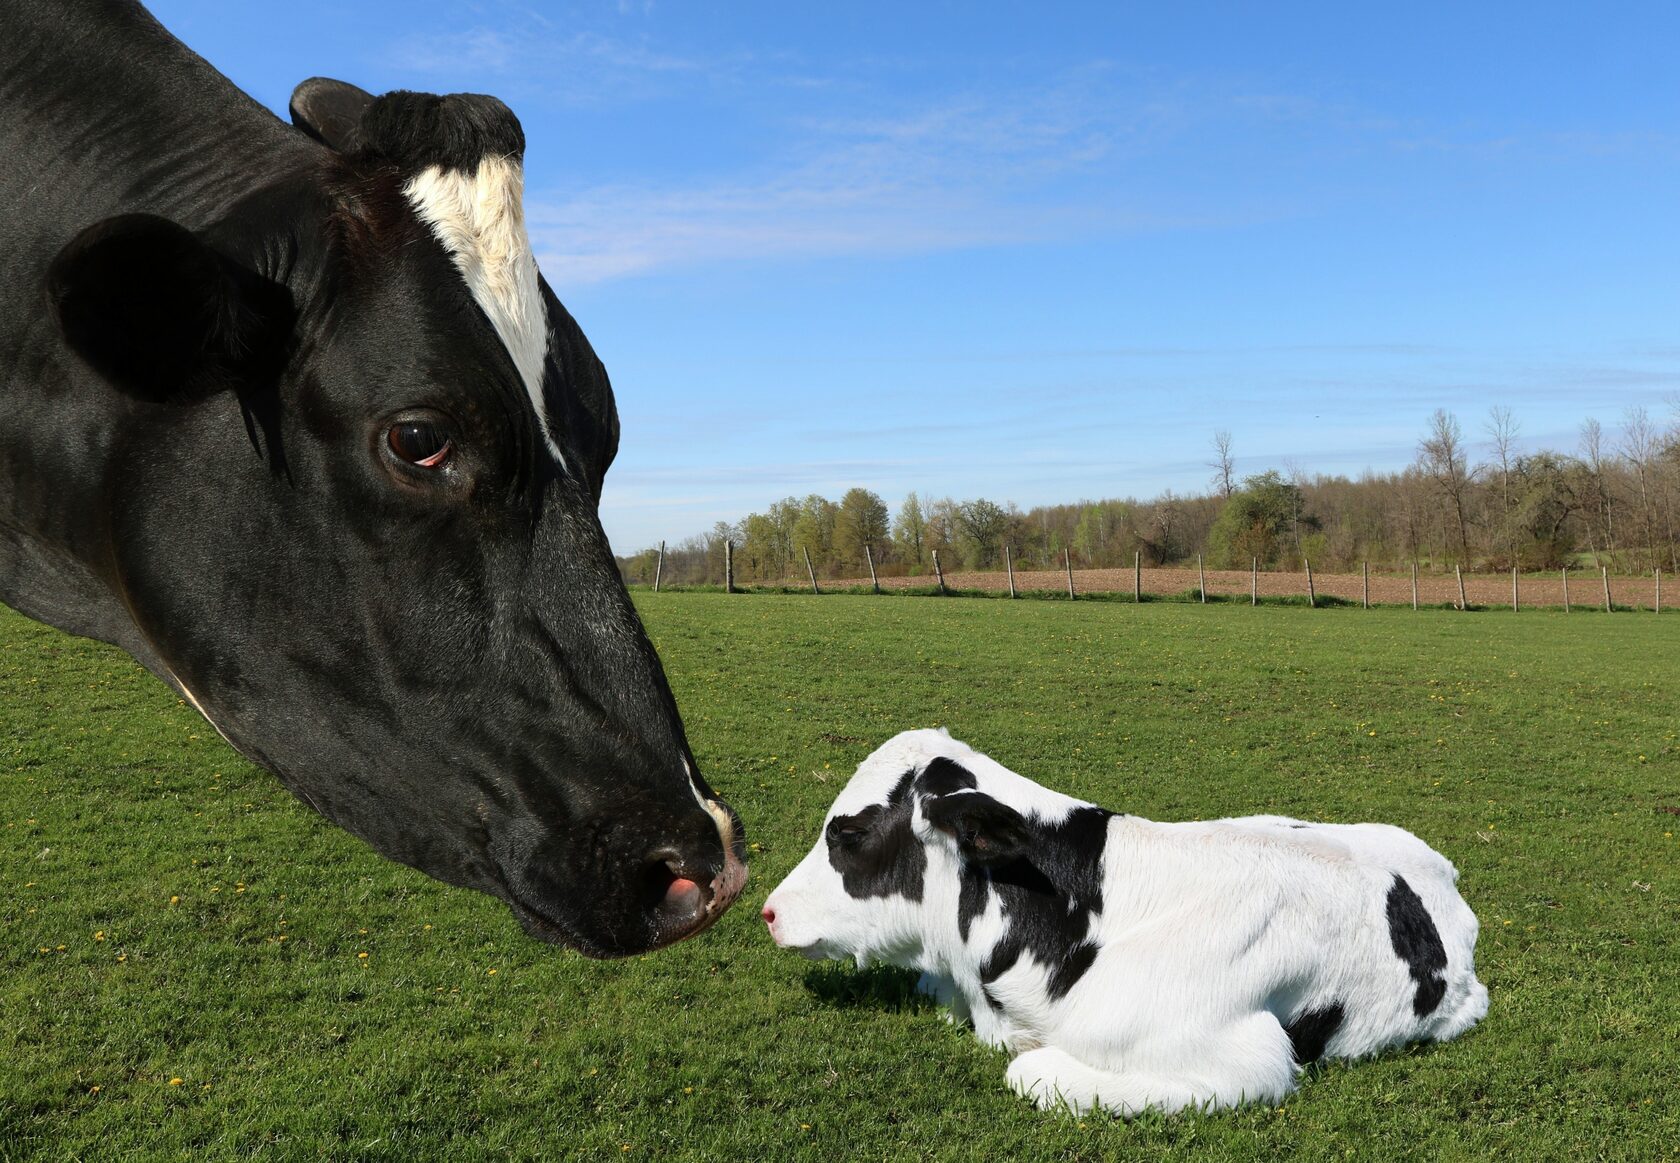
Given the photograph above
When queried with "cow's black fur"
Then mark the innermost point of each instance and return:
(208, 321)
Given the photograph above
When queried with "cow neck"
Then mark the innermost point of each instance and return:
(105, 112)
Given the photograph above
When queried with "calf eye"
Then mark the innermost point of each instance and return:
(423, 443)
(845, 830)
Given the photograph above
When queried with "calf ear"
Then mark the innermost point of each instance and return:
(161, 315)
(331, 112)
(988, 833)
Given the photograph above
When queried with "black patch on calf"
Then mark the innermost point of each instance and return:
(943, 776)
(1311, 1032)
(1048, 897)
(875, 852)
(1418, 943)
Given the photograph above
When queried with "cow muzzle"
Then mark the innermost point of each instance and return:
(686, 899)
(650, 883)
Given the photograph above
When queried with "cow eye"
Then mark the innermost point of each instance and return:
(422, 443)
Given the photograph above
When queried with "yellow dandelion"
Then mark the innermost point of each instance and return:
(492, 972)
(99, 935)
(174, 900)
(362, 956)
(175, 1081)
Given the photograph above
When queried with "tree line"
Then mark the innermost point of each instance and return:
(1610, 501)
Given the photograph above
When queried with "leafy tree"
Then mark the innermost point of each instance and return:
(813, 531)
(980, 528)
(910, 530)
(861, 521)
(1258, 521)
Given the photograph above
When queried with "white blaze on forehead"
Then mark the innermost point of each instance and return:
(480, 220)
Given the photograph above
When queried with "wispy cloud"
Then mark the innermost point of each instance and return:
(965, 172)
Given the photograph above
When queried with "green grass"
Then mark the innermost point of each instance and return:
(147, 876)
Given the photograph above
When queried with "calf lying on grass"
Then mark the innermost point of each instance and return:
(1131, 964)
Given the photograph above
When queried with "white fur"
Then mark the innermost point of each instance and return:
(1213, 936)
(480, 220)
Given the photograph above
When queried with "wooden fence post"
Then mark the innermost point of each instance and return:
(1201, 579)
(728, 567)
(659, 569)
(1254, 581)
(1515, 606)
(809, 570)
(1459, 570)
(1604, 570)
(1067, 560)
(1566, 589)
(1414, 587)
(874, 581)
(1312, 598)
(940, 573)
(1009, 564)
(1137, 575)
(1365, 584)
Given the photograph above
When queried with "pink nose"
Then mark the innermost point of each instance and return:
(769, 915)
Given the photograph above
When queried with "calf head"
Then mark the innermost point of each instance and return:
(907, 841)
(353, 473)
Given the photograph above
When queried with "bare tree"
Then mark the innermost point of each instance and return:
(1502, 429)
(1598, 489)
(1441, 456)
(1224, 468)
(1640, 444)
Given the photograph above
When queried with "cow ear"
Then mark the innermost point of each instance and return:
(988, 833)
(331, 112)
(575, 383)
(160, 314)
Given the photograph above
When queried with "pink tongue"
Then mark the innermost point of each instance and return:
(683, 893)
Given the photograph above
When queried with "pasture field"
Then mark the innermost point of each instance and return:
(194, 966)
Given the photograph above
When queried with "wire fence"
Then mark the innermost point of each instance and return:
(1568, 589)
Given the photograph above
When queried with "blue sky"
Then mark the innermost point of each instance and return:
(1041, 252)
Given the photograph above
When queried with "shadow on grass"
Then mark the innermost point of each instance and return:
(880, 987)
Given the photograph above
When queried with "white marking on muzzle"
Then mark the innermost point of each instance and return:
(480, 220)
(725, 826)
(199, 707)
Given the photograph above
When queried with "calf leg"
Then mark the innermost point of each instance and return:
(1248, 1062)
(944, 991)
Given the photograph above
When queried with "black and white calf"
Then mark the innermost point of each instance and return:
(1131, 964)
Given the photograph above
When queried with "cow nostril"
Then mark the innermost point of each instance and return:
(769, 915)
(658, 875)
(666, 888)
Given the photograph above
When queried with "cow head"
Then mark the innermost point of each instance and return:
(357, 448)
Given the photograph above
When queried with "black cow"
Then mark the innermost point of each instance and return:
(289, 415)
